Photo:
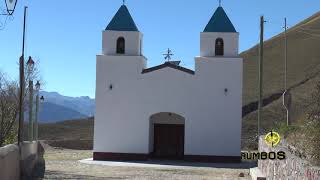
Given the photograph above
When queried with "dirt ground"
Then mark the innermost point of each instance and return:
(64, 164)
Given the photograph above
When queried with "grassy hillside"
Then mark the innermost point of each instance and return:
(303, 59)
(73, 134)
(303, 74)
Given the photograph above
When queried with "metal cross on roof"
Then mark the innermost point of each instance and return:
(123, 2)
(168, 55)
(219, 3)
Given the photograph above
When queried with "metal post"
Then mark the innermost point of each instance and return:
(260, 74)
(21, 91)
(286, 95)
(31, 138)
(285, 54)
(36, 118)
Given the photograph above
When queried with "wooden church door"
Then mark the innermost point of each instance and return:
(169, 140)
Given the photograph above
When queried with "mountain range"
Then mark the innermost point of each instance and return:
(57, 107)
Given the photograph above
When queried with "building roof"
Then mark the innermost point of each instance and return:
(122, 21)
(175, 62)
(170, 65)
(219, 22)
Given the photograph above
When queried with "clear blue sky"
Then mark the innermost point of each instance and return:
(66, 35)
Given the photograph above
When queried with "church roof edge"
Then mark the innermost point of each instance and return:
(168, 64)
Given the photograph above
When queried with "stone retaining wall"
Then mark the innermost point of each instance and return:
(29, 163)
(293, 167)
(9, 162)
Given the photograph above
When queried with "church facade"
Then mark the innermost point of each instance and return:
(168, 111)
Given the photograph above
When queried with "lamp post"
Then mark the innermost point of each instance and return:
(37, 111)
(30, 67)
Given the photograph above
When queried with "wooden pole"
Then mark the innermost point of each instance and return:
(260, 74)
(21, 95)
(22, 83)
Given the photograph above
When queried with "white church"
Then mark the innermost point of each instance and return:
(168, 111)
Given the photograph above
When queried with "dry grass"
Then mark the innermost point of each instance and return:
(73, 134)
(303, 60)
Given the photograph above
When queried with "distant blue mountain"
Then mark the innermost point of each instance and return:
(57, 107)
(50, 112)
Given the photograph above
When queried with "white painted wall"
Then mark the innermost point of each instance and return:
(208, 42)
(212, 118)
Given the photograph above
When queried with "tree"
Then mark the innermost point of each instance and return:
(8, 109)
(9, 105)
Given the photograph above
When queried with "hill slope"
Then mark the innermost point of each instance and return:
(72, 134)
(303, 59)
(303, 74)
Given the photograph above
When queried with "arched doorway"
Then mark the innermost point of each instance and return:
(167, 135)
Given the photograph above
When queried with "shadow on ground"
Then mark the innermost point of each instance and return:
(172, 163)
(63, 175)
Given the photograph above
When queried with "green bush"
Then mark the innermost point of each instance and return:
(284, 130)
(12, 136)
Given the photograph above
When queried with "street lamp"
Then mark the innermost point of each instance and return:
(11, 6)
(30, 66)
(42, 99)
(37, 86)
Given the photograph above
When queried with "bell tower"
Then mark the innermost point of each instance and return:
(121, 58)
(219, 38)
(121, 36)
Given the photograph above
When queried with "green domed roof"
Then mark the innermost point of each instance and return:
(122, 21)
(219, 22)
